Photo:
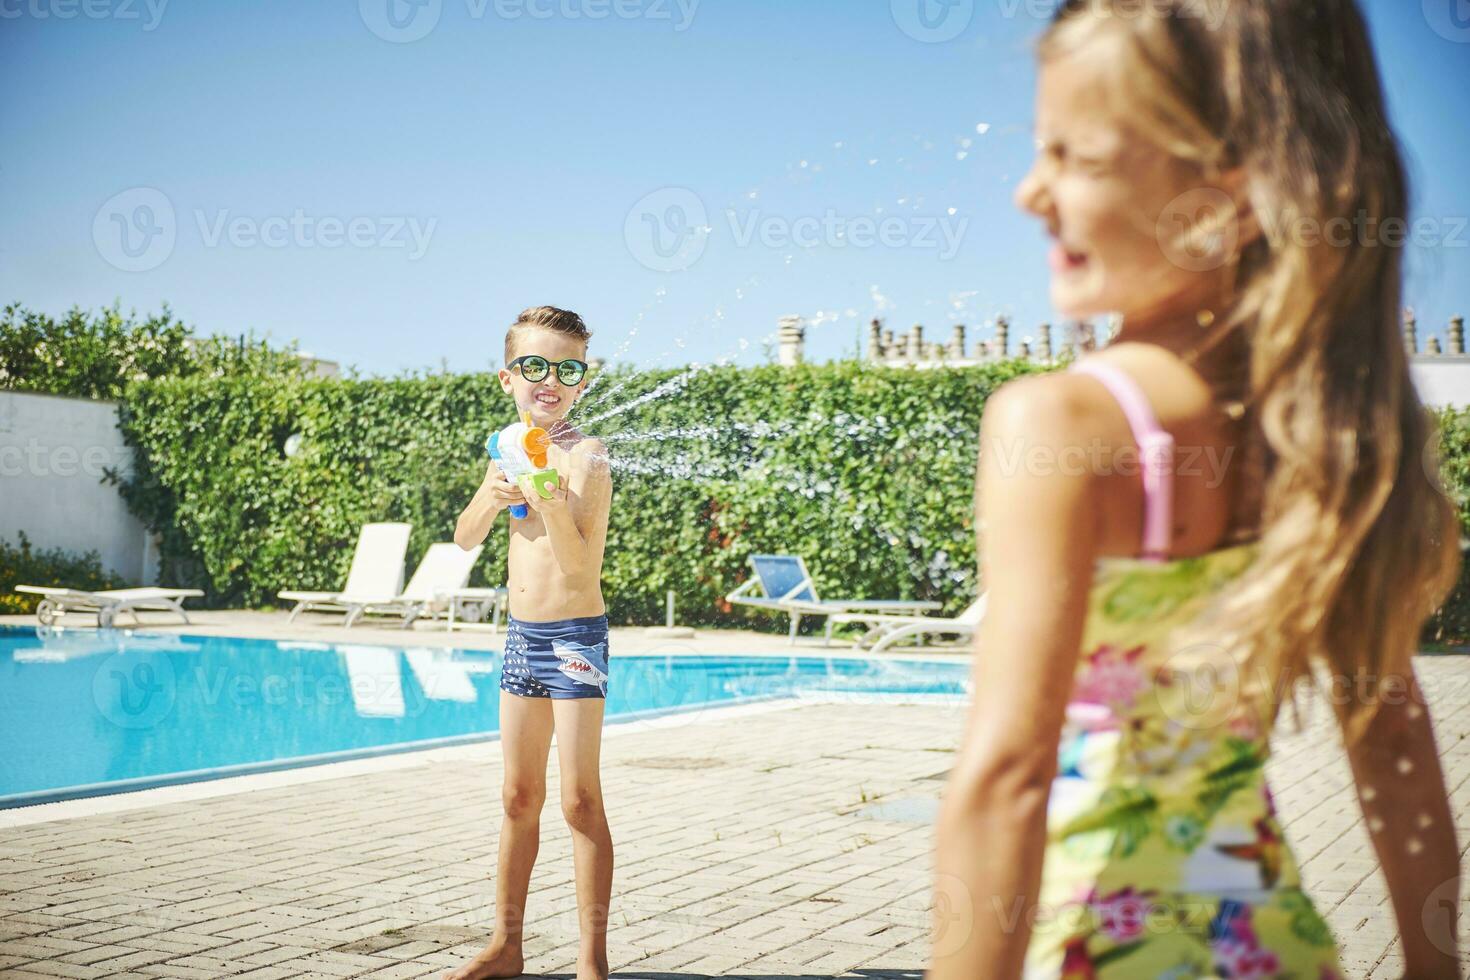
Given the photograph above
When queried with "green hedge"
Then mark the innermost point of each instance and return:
(21, 564)
(97, 355)
(1451, 625)
(868, 472)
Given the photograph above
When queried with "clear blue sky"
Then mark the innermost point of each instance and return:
(520, 147)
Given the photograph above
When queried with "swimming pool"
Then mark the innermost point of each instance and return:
(86, 712)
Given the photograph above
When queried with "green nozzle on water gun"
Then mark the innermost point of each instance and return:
(519, 450)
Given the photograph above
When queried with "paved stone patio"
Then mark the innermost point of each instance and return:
(787, 841)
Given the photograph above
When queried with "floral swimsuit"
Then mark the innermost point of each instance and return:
(1164, 855)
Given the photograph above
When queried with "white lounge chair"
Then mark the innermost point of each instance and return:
(376, 573)
(444, 569)
(885, 631)
(57, 601)
(788, 588)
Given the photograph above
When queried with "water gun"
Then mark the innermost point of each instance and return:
(519, 450)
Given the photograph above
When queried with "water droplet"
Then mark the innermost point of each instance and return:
(1414, 845)
(1375, 824)
(1424, 821)
(1405, 765)
(982, 128)
(961, 155)
(1369, 794)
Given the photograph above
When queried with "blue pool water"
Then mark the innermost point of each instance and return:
(84, 712)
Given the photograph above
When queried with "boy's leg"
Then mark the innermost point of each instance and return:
(579, 755)
(525, 743)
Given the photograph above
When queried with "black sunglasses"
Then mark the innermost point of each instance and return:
(534, 368)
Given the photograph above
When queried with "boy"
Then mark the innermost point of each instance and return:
(556, 645)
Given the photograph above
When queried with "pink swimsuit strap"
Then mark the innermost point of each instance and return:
(1156, 454)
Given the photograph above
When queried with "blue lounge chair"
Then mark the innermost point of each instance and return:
(787, 587)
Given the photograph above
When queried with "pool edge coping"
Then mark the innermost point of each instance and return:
(203, 789)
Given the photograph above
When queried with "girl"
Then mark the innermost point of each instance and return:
(1288, 519)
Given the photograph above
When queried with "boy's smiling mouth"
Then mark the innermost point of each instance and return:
(548, 399)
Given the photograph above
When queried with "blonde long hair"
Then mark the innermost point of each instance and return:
(1359, 541)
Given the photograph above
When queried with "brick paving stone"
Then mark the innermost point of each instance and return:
(760, 865)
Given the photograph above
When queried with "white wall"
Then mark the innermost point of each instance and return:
(1443, 380)
(53, 452)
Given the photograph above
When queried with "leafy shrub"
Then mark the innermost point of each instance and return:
(21, 564)
(1451, 624)
(97, 356)
(866, 471)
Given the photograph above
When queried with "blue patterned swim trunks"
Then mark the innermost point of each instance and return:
(564, 659)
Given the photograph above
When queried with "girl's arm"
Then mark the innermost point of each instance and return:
(1039, 545)
(1402, 792)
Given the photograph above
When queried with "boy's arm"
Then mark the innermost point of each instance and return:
(1402, 792)
(578, 542)
(494, 495)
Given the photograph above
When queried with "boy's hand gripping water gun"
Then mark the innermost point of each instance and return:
(519, 450)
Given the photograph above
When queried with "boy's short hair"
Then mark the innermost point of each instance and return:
(546, 318)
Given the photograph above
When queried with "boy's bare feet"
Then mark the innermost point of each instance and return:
(587, 970)
(498, 959)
